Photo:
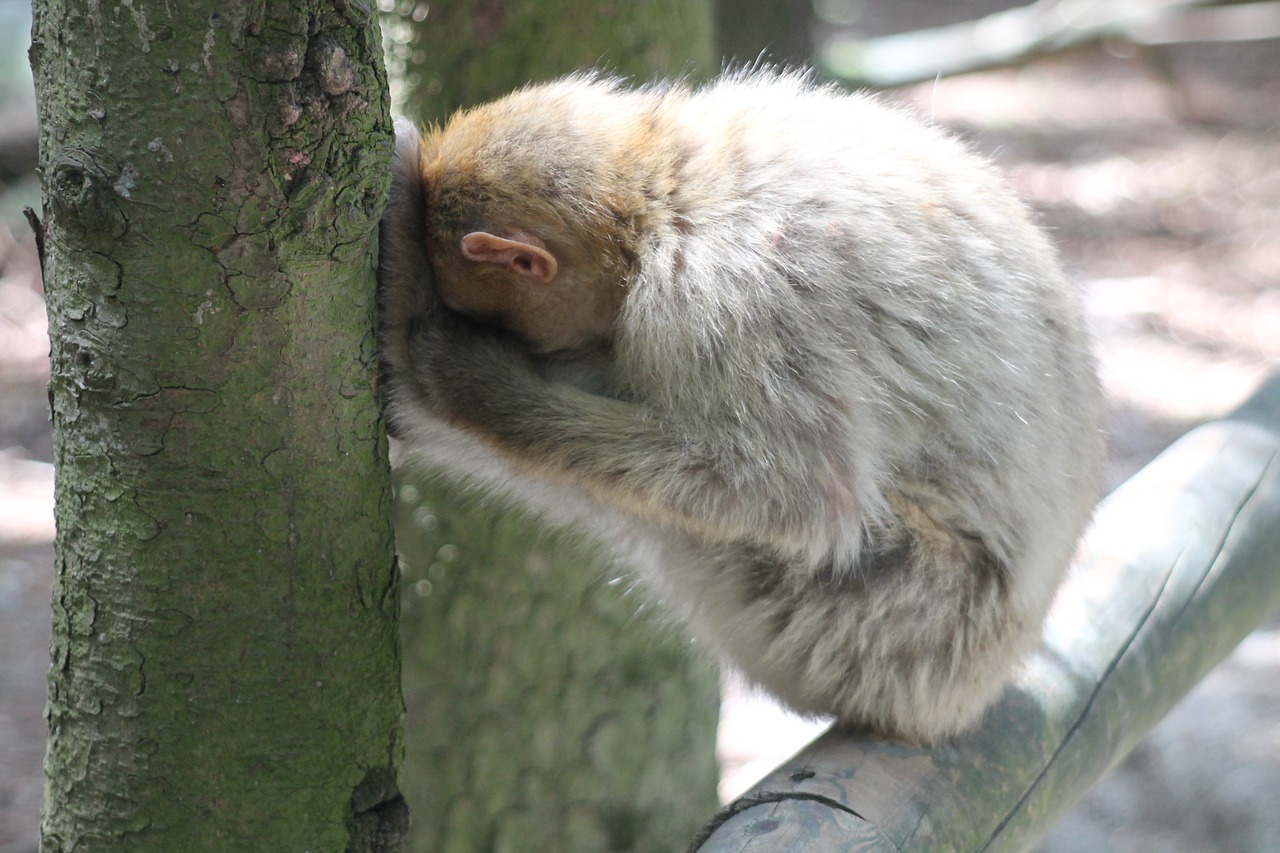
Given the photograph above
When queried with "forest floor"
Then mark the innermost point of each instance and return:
(1158, 175)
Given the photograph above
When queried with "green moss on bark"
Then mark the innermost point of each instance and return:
(225, 673)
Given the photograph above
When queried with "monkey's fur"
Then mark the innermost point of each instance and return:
(841, 413)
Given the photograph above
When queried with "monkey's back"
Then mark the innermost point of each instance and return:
(893, 294)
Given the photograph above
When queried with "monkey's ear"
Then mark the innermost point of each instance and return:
(525, 255)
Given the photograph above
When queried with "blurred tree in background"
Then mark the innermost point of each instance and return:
(445, 55)
(771, 31)
(545, 709)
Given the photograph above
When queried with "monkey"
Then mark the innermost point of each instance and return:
(801, 358)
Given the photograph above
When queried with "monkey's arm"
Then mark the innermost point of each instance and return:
(720, 480)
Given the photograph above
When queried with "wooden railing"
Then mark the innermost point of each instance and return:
(1181, 563)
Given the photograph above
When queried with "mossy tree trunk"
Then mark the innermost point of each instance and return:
(225, 673)
(546, 710)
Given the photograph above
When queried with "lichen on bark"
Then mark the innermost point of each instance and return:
(225, 671)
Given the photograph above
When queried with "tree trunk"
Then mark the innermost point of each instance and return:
(545, 709)
(773, 31)
(225, 672)
(470, 51)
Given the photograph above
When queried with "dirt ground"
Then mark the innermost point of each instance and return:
(1158, 174)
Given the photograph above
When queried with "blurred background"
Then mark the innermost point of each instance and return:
(1145, 134)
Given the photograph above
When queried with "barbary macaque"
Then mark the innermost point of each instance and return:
(799, 357)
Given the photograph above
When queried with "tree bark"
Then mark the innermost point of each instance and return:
(545, 709)
(225, 673)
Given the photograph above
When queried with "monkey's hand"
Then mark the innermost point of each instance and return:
(464, 370)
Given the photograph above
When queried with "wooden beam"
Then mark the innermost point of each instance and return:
(1181, 563)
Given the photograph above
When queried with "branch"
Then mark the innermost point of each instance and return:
(1043, 26)
(1181, 563)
